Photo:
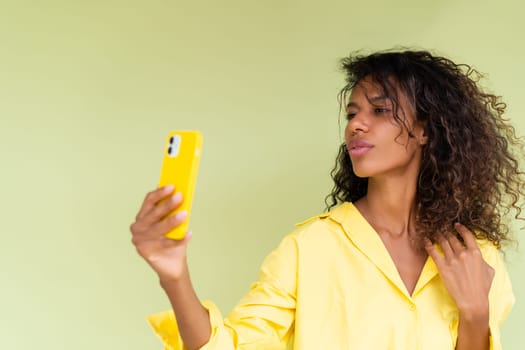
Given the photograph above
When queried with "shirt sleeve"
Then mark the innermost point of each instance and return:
(501, 296)
(263, 319)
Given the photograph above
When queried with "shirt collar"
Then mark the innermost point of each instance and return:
(367, 240)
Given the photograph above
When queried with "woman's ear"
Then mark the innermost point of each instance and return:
(423, 139)
(419, 133)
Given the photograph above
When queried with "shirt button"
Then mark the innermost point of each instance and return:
(412, 307)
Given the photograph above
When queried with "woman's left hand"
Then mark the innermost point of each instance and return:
(465, 274)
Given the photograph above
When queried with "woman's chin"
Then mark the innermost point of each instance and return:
(362, 173)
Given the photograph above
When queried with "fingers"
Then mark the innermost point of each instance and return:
(467, 235)
(151, 233)
(153, 220)
(159, 228)
(161, 209)
(152, 198)
(454, 243)
(164, 226)
(446, 246)
(432, 251)
(451, 246)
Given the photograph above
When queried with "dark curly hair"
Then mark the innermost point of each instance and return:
(469, 171)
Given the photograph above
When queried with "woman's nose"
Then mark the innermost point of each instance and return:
(358, 122)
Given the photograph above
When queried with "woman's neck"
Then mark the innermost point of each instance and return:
(390, 205)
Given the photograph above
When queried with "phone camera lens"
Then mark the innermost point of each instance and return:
(171, 140)
(169, 150)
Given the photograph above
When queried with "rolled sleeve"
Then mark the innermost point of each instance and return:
(164, 324)
(262, 320)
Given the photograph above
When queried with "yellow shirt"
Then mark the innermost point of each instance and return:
(332, 284)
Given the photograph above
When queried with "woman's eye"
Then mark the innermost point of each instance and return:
(350, 116)
(381, 110)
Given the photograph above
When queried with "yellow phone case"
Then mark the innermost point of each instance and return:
(180, 163)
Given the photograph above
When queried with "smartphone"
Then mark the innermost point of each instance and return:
(180, 162)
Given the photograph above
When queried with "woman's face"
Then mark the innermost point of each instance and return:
(378, 146)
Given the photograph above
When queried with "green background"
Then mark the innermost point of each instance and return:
(88, 90)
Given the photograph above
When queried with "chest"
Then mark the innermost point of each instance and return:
(344, 291)
(408, 260)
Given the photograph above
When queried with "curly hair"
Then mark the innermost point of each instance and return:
(469, 170)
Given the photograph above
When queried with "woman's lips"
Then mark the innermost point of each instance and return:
(358, 148)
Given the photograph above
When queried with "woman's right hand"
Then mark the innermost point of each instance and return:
(166, 256)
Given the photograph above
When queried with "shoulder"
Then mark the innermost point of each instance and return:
(487, 245)
(312, 221)
(324, 225)
(501, 294)
(489, 250)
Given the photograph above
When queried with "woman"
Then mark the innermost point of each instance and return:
(406, 258)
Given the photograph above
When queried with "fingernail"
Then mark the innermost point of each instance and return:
(177, 197)
(181, 215)
(168, 188)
